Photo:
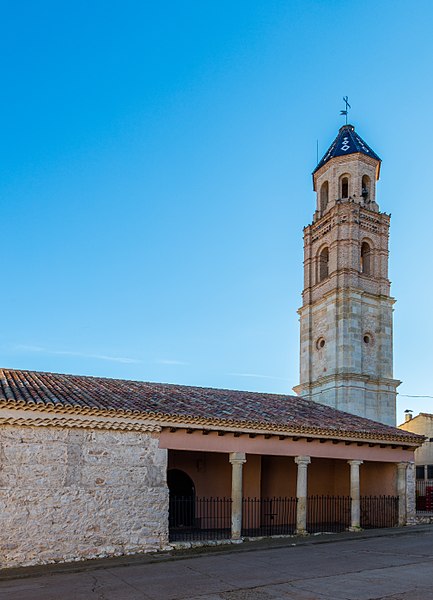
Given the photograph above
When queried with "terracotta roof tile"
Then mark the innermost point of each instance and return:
(38, 389)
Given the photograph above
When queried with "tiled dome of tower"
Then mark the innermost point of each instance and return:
(346, 142)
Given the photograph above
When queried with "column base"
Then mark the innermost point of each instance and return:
(303, 532)
(355, 529)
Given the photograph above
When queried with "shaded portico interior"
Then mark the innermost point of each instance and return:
(270, 475)
(262, 467)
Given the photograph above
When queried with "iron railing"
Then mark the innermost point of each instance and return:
(268, 516)
(424, 495)
(192, 518)
(328, 513)
(379, 511)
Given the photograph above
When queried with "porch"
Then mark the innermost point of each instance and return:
(219, 496)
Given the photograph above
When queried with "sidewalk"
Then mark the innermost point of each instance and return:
(223, 549)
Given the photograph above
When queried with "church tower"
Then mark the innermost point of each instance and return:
(346, 315)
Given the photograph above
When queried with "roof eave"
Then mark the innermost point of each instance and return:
(164, 420)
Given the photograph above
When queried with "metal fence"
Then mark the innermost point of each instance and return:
(424, 495)
(268, 516)
(192, 518)
(328, 513)
(379, 511)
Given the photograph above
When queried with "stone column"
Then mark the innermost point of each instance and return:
(237, 459)
(410, 494)
(402, 493)
(355, 524)
(301, 494)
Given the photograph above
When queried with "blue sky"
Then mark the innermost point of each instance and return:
(156, 167)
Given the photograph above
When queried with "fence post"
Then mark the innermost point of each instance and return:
(355, 524)
(237, 459)
(301, 494)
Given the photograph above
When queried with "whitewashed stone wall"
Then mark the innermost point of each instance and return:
(73, 494)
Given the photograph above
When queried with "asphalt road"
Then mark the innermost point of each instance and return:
(395, 567)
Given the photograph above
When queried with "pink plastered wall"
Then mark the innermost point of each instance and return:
(211, 472)
(378, 479)
(269, 476)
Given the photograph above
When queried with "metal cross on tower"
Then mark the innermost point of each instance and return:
(344, 112)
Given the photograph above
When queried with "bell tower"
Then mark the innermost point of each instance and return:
(346, 315)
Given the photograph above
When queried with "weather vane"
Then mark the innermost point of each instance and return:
(344, 112)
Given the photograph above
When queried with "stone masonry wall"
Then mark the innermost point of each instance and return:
(73, 494)
(346, 372)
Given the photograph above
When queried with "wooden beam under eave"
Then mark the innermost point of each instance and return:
(273, 446)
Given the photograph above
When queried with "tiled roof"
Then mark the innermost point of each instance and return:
(57, 392)
(346, 142)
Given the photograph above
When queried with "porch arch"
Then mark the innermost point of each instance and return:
(181, 499)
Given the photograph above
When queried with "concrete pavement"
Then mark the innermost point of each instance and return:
(395, 564)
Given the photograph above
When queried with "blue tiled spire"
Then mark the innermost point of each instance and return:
(346, 142)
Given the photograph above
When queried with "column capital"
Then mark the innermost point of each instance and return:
(237, 458)
(303, 460)
(355, 463)
(402, 465)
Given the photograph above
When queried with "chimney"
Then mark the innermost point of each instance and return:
(407, 415)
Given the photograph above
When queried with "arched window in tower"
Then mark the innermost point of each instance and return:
(365, 258)
(345, 187)
(365, 192)
(323, 264)
(324, 193)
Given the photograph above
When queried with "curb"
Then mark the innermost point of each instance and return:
(247, 545)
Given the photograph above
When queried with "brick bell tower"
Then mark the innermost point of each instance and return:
(346, 315)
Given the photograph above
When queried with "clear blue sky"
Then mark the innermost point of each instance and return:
(156, 164)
